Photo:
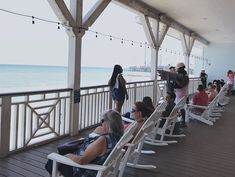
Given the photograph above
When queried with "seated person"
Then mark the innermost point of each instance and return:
(209, 84)
(222, 82)
(200, 98)
(218, 86)
(212, 92)
(149, 105)
(95, 151)
(170, 98)
(139, 113)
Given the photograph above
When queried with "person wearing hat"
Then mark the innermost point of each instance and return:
(181, 87)
(203, 77)
(172, 68)
(200, 98)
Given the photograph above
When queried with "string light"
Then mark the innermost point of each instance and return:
(111, 37)
(33, 22)
(58, 25)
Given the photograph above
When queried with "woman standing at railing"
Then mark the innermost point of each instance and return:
(118, 87)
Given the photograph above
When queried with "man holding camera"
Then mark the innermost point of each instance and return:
(180, 81)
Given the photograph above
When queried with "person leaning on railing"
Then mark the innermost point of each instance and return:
(94, 150)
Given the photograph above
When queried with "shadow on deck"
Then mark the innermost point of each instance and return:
(206, 151)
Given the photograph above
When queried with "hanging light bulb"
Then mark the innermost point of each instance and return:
(33, 22)
(58, 25)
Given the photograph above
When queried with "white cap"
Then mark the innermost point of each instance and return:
(179, 65)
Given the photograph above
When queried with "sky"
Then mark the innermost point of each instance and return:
(43, 44)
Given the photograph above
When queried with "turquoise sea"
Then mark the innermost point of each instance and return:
(19, 78)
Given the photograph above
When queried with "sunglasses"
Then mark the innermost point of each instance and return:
(133, 110)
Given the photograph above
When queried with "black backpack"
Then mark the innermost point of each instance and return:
(180, 83)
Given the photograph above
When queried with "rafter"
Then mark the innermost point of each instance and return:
(95, 12)
(62, 12)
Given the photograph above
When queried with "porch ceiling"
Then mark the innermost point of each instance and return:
(213, 20)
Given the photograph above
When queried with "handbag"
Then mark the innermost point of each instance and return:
(73, 146)
(70, 147)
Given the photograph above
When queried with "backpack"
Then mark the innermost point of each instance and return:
(180, 83)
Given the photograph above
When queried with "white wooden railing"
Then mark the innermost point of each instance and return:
(32, 118)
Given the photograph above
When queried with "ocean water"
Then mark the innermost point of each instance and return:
(20, 78)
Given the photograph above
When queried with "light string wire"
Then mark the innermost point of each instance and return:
(111, 37)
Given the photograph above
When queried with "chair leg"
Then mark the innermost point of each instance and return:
(55, 172)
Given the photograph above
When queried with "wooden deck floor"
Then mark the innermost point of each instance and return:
(204, 152)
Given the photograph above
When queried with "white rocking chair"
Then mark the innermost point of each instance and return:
(168, 128)
(110, 166)
(209, 115)
(134, 148)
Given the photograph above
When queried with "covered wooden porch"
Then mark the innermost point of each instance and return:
(206, 151)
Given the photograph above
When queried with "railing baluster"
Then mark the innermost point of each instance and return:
(16, 117)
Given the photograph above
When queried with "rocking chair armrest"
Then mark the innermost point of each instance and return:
(64, 160)
(197, 106)
(168, 118)
(164, 118)
(127, 120)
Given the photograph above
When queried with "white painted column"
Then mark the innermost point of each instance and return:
(74, 18)
(74, 63)
(187, 45)
(5, 126)
(74, 77)
(155, 37)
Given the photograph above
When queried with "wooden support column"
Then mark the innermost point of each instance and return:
(155, 36)
(187, 44)
(78, 25)
(5, 126)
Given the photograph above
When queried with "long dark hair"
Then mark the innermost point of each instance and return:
(140, 106)
(149, 105)
(116, 70)
(148, 102)
(229, 72)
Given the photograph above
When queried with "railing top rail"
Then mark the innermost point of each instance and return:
(70, 89)
(106, 85)
(35, 92)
